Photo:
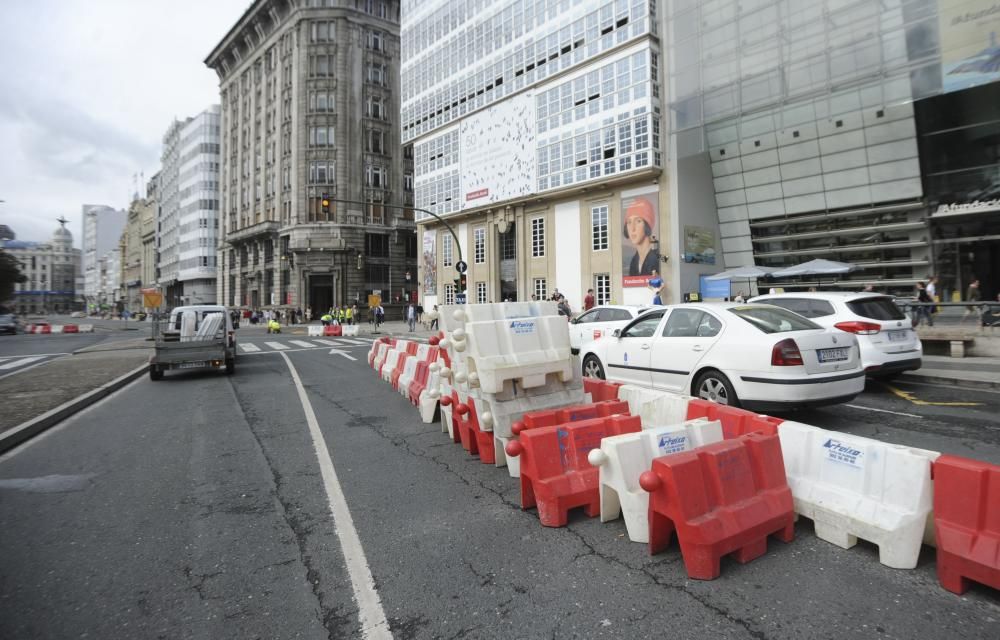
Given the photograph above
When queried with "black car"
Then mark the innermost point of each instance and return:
(8, 323)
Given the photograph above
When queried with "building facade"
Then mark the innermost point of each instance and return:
(149, 216)
(310, 104)
(102, 229)
(188, 225)
(855, 130)
(536, 129)
(51, 269)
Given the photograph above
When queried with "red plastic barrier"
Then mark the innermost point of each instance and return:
(398, 371)
(464, 411)
(601, 389)
(419, 382)
(722, 498)
(333, 330)
(453, 401)
(374, 350)
(555, 473)
(411, 348)
(735, 422)
(71, 328)
(484, 443)
(967, 522)
(572, 413)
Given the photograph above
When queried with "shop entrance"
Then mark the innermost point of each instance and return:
(320, 294)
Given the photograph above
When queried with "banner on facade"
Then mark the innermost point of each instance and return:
(699, 245)
(430, 263)
(640, 223)
(970, 45)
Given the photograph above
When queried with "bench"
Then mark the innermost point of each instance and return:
(958, 342)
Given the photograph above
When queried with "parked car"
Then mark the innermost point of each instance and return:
(752, 355)
(8, 323)
(599, 322)
(889, 345)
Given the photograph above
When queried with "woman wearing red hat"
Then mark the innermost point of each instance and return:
(640, 219)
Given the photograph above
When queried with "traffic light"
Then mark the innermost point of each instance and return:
(458, 284)
(462, 282)
(325, 205)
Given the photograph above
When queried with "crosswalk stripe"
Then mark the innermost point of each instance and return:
(249, 347)
(302, 343)
(277, 346)
(328, 343)
(19, 363)
(350, 341)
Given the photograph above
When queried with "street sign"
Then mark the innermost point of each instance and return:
(459, 298)
(461, 267)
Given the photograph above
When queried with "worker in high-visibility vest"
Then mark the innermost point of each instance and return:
(326, 319)
(349, 315)
(273, 326)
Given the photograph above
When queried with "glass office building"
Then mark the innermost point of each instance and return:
(857, 130)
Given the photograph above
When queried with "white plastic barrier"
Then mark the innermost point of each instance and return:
(57, 328)
(524, 350)
(669, 408)
(853, 487)
(86, 328)
(622, 459)
(383, 350)
(315, 330)
(406, 377)
(446, 425)
(350, 330)
(392, 360)
(431, 395)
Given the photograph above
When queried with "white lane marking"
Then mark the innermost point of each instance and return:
(373, 622)
(350, 341)
(328, 343)
(248, 347)
(895, 413)
(277, 346)
(19, 363)
(342, 353)
(301, 343)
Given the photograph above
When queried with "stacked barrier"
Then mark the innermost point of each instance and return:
(853, 487)
(315, 330)
(967, 522)
(723, 478)
(351, 330)
(71, 328)
(622, 459)
(556, 475)
(723, 498)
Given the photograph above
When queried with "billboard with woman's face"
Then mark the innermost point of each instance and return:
(429, 265)
(640, 257)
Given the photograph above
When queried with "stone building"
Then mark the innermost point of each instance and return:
(310, 102)
(51, 269)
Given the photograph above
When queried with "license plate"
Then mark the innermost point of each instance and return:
(898, 336)
(191, 365)
(834, 355)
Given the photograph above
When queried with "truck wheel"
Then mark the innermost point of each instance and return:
(155, 373)
(230, 366)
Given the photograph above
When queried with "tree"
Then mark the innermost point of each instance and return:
(10, 274)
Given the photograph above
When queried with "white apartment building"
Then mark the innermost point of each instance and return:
(102, 229)
(188, 224)
(51, 270)
(536, 134)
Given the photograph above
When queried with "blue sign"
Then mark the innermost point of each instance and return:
(713, 288)
(459, 298)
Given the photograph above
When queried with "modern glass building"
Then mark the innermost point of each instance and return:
(864, 131)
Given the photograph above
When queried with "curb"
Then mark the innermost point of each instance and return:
(27, 430)
(955, 382)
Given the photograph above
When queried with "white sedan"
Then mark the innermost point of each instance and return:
(599, 322)
(751, 355)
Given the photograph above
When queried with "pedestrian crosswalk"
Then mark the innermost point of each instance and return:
(292, 345)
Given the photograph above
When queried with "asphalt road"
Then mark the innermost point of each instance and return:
(195, 507)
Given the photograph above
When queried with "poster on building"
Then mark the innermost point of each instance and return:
(497, 149)
(699, 245)
(429, 266)
(970, 43)
(640, 257)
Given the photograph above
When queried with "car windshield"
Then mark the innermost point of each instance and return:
(876, 309)
(773, 319)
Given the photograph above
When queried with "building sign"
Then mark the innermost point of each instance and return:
(429, 265)
(977, 206)
(699, 245)
(640, 223)
(497, 147)
(969, 43)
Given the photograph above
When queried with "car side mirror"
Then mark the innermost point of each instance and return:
(617, 333)
(574, 321)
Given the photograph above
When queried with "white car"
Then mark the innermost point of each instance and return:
(889, 345)
(751, 355)
(599, 322)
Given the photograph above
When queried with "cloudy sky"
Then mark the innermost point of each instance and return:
(88, 89)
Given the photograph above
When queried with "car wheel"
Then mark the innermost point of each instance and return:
(155, 373)
(714, 386)
(592, 367)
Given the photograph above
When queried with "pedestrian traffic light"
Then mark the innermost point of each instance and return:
(462, 281)
(325, 203)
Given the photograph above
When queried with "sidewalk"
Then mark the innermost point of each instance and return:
(391, 329)
(977, 372)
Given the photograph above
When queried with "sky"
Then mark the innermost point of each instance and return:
(87, 91)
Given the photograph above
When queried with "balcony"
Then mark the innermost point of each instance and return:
(266, 227)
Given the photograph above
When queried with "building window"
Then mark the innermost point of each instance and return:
(376, 40)
(408, 182)
(538, 237)
(376, 73)
(599, 226)
(321, 101)
(376, 139)
(446, 250)
(376, 245)
(602, 287)
(320, 136)
(321, 66)
(449, 294)
(321, 172)
(481, 293)
(479, 236)
(541, 288)
(321, 31)
(375, 110)
(376, 176)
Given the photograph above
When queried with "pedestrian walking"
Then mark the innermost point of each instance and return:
(434, 322)
(588, 300)
(922, 311)
(972, 294)
(411, 316)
